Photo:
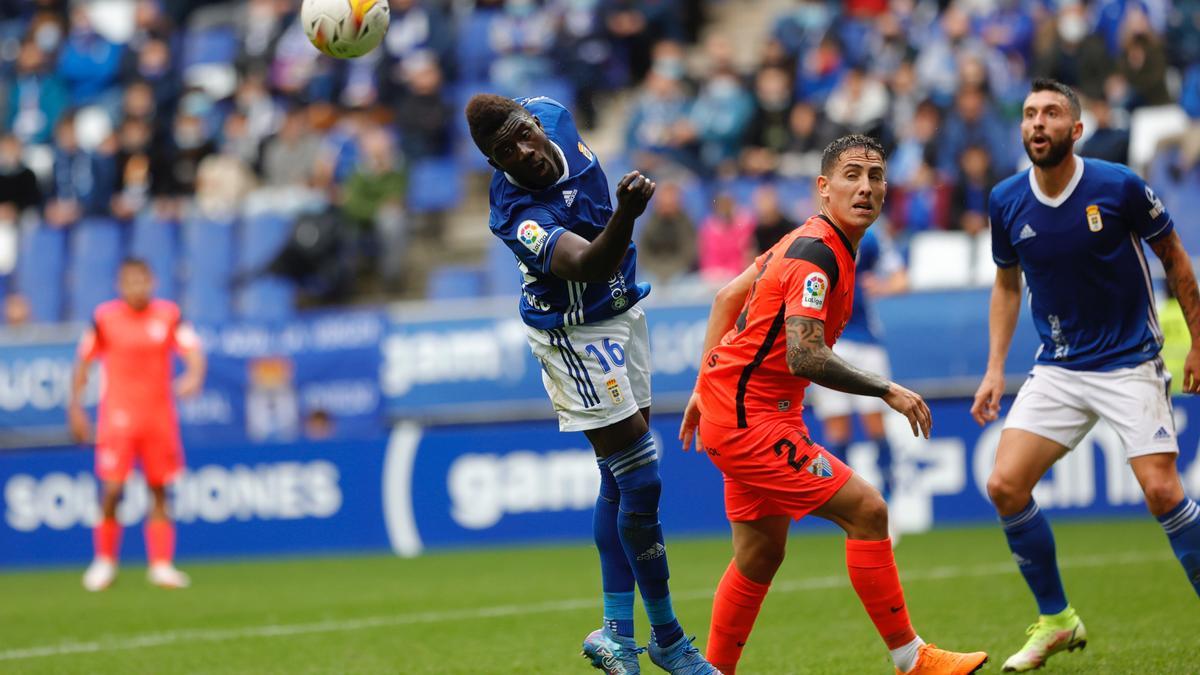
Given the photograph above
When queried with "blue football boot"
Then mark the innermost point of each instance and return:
(681, 658)
(612, 653)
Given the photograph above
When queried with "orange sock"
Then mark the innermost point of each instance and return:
(735, 607)
(160, 541)
(106, 538)
(873, 574)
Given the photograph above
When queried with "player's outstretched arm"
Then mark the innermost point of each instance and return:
(191, 381)
(1002, 322)
(577, 259)
(726, 304)
(1182, 281)
(809, 357)
(77, 420)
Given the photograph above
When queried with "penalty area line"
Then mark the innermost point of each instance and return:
(192, 635)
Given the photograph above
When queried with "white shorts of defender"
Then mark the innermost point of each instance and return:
(1063, 405)
(829, 403)
(595, 374)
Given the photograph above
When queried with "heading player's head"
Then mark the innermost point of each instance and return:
(1050, 122)
(513, 140)
(135, 283)
(853, 181)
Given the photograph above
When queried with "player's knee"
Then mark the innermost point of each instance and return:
(761, 558)
(872, 518)
(1162, 495)
(1006, 495)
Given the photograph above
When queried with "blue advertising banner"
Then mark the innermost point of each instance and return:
(516, 483)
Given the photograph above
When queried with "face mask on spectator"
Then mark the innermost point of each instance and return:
(1072, 28)
(188, 139)
(48, 36)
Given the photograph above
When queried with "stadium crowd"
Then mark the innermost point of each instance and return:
(149, 113)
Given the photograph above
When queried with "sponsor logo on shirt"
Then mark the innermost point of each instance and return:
(569, 196)
(583, 150)
(816, 286)
(1095, 224)
(532, 236)
(1026, 233)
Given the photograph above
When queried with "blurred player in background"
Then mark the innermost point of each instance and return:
(879, 271)
(794, 302)
(550, 204)
(1075, 228)
(134, 337)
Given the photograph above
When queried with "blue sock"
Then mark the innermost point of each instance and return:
(839, 450)
(636, 472)
(884, 462)
(615, 573)
(1182, 524)
(1032, 546)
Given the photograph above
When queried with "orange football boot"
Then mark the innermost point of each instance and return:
(934, 661)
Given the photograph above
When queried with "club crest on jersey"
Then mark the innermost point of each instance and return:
(157, 330)
(583, 150)
(614, 391)
(1095, 224)
(532, 236)
(816, 286)
(820, 467)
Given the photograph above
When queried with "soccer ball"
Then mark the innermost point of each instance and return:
(345, 29)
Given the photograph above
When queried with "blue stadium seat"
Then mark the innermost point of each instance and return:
(434, 184)
(41, 271)
(697, 201)
(208, 259)
(156, 241)
(453, 282)
(474, 51)
(796, 197)
(503, 277)
(262, 235)
(96, 252)
(218, 44)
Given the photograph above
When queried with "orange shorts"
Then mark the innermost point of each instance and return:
(772, 468)
(155, 446)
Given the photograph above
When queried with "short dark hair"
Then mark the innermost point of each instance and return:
(134, 261)
(1049, 84)
(486, 113)
(835, 150)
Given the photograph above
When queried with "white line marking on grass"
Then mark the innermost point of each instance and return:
(341, 625)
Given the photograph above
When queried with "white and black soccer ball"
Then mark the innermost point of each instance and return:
(345, 29)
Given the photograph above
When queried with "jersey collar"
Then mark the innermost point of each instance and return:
(1065, 194)
(841, 235)
(565, 174)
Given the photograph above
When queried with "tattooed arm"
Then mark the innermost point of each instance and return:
(809, 357)
(1182, 281)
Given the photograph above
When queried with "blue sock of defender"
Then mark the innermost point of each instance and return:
(615, 574)
(636, 472)
(885, 465)
(1032, 545)
(1182, 525)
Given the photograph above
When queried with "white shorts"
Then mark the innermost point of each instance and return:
(596, 374)
(829, 403)
(1063, 405)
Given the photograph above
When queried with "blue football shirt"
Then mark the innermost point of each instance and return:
(1091, 296)
(530, 223)
(863, 325)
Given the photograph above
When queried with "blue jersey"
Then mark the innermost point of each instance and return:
(530, 223)
(863, 325)
(1082, 255)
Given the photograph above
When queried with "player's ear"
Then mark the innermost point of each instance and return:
(822, 186)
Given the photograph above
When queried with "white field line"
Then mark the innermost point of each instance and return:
(187, 635)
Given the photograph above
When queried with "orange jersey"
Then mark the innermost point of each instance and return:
(808, 273)
(134, 349)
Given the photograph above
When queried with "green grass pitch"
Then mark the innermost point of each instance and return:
(527, 610)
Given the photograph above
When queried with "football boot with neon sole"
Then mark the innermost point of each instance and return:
(1049, 636)
(612, 653)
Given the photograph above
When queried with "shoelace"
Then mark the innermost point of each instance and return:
(689, 657)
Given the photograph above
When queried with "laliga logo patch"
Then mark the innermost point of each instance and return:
(532, 236)
(614, 391)
(1095, 224)
(583, 150)
(816, 285)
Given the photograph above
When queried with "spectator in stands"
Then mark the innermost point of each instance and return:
(423, 113)
(133, 168)
(19, 189)
(657, 130)
(1108, 141)
(768, 134)
(89, 64)
(191, 141)
(373, 201)
(1066, 50)
(968, 203)
(771, 223)
(820, 70)
(583, 53)
(718, 119)
(521, 37)
(153, 64)
(17, 311)
(1143, 64)
(974, 122)
(810, 133)
(906, 95)
(937, 61)
(634, 26)
(415, 28)
(726, 240)
(36, 98)
(225, 176)
(667, 245)
(263, 114)
(288, 157)
(801, 27)
(858, 104)
(83, 181)
(1188, 142)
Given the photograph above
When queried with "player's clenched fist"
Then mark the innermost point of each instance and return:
(633, 193)
(911, 405)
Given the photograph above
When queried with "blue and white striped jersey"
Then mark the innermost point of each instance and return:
(530, 223)
(1081, 252)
